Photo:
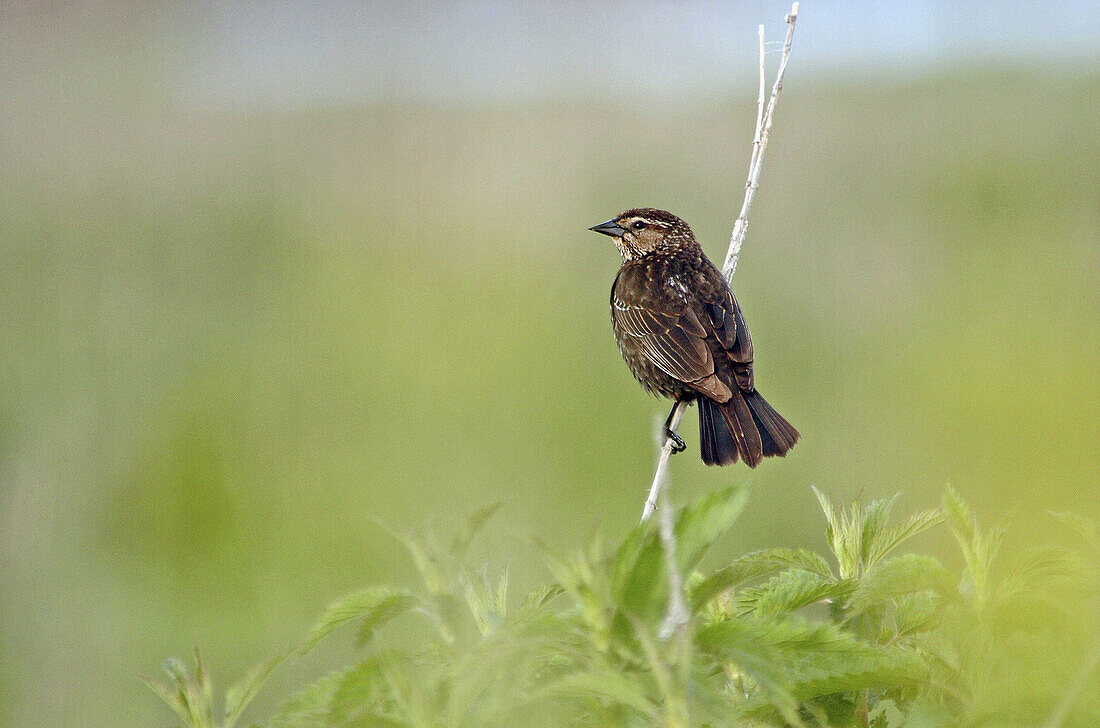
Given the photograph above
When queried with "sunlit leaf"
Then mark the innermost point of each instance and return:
(373, 606)
(241, 694)
(897, 577)
(701, 525)
(789, 591)
(472, 527)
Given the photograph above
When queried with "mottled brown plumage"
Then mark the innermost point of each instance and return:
(682, 334)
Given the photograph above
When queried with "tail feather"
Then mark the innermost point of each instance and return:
(772, 426)
(745, 427)
(716, 445)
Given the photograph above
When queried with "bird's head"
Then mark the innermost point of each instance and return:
(644, 229)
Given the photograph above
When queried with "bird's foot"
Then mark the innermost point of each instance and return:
(677, 442)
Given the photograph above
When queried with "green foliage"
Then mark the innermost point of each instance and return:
(190, 693)
(861, 636)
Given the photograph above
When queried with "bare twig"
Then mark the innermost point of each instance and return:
(677, 617)
(759, 145)
(661, 476)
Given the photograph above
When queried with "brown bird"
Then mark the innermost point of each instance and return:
(683, 336)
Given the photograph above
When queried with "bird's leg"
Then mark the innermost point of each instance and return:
(677, 441)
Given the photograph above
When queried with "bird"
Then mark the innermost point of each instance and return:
(684, 337)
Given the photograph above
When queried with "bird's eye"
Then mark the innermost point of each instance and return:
(638, 225)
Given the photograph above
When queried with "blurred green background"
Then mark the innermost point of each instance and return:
(243, 323)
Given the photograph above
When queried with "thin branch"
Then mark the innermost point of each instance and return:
(661, 476)
(759, 145)
(756, 146)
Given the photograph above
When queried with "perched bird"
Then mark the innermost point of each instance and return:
(683, 336)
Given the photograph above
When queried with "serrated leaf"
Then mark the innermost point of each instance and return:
(800, 559)
(461, 542)
(168, 696)
(784, 634)
(870, 667)
(487, 606)
(844, 531)
(576, 576)
(241, 694)
(789, 591)
(373, 606)
(310, 707)
(832, 515)
(699, 526)
(899, 576)
(735, 574)
(643, 589)
(425, 560)
(979, 549)
(889, 538)
(873, 521)
(1083, 526)
(188, 694)
(915, 613)
(538, 597)
(1033, 572)
(362, 696)
(600, 684)
(959, 514)
(753, 566)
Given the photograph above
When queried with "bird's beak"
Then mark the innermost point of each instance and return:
(609, 228)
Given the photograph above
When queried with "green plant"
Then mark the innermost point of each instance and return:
(865, 635)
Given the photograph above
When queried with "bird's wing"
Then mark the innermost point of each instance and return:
(670, 335)
(729, 326)
(732, 333)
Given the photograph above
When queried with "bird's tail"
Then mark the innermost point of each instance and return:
(746, 426)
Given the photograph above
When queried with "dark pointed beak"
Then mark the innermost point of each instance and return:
(609, 228)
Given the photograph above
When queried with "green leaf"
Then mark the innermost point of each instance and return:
(426, 560)
(1085, 527)
(1034, 572)
(189, 695)
(171, 698)
(362, 696)
(788, 591)
(699, 526)
(472, 527)
(873, 520)
(241, 694)
(799, 558)
(538, 597)
(844, 531)
(888, 538)
(600, 684)
(899, 576)
(643, 589)
(753, 566)
(576, 576)
(487, 605)
(915, 613)
(310, 707)
(868, 667)
(979, 549)
(373, 606)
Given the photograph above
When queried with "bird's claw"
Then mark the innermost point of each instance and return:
(677, 442)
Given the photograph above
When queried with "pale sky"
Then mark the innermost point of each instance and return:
(293, 53)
